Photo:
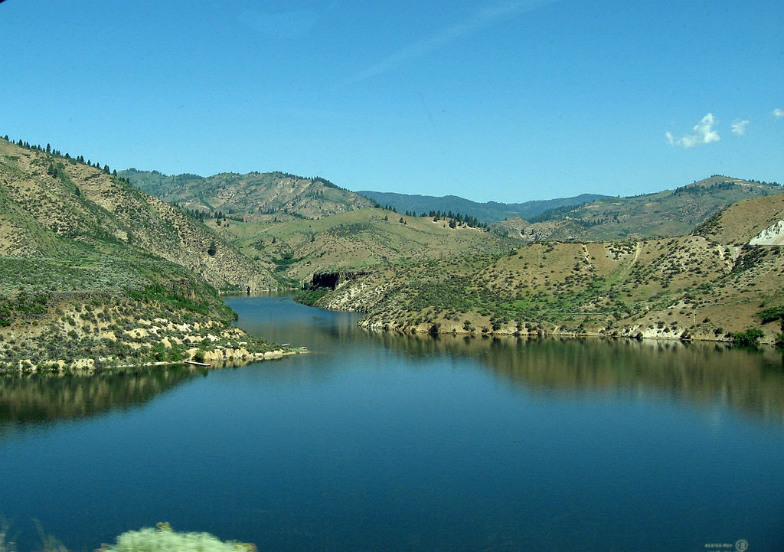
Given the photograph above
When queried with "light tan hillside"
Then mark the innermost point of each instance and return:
(742, 221)
(354, 240)
(674, 288)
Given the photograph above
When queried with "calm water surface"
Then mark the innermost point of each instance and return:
(379, 442)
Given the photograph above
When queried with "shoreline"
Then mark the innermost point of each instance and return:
(87, 366)
(562, 335)
(632, 333)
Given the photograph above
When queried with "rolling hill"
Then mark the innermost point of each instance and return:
(354, 240)
(667, 213)
(302, 226)
(95, 272)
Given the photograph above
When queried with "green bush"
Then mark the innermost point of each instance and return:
(771, 314)
(749, 338)
(310, 296)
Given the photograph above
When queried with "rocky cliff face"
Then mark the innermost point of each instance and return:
(333, 280)
(772, 235)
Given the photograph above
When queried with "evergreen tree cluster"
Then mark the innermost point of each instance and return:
(200, 215)
(456, 219)
(57, 153)
(196, 214)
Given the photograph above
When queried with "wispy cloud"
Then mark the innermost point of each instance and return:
(480, 19)
(778, 112)
(739, 128)
(703, 133)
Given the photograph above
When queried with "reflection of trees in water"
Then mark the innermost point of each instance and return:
(748, 380)
(40, 398)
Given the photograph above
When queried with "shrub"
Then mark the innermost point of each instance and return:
(749, 338)
(771, 314)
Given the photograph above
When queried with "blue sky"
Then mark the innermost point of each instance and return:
(497, 100)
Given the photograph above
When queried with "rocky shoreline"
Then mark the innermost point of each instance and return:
(87, 339)
(636, 330)
(211, 359)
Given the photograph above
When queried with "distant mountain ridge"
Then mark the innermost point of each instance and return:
(249, 194)
(487, 212)
(586, 217)
(668, 213)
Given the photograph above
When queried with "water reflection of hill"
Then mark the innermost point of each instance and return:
(749, 381)
(41, 398)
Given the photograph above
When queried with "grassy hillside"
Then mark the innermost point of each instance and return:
(95, 273)
(52, 205)
(354, 240)
(301, 226)
(681, 287)
(668, 213)
(249, 194)
(487, 212)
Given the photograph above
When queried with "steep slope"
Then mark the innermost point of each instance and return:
(668, 213)
(487, 212)
(249, 194)
(95, 273)
(45, 196)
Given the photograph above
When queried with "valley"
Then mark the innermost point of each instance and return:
(96, 273)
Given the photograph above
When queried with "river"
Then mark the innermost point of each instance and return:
(382, 442)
